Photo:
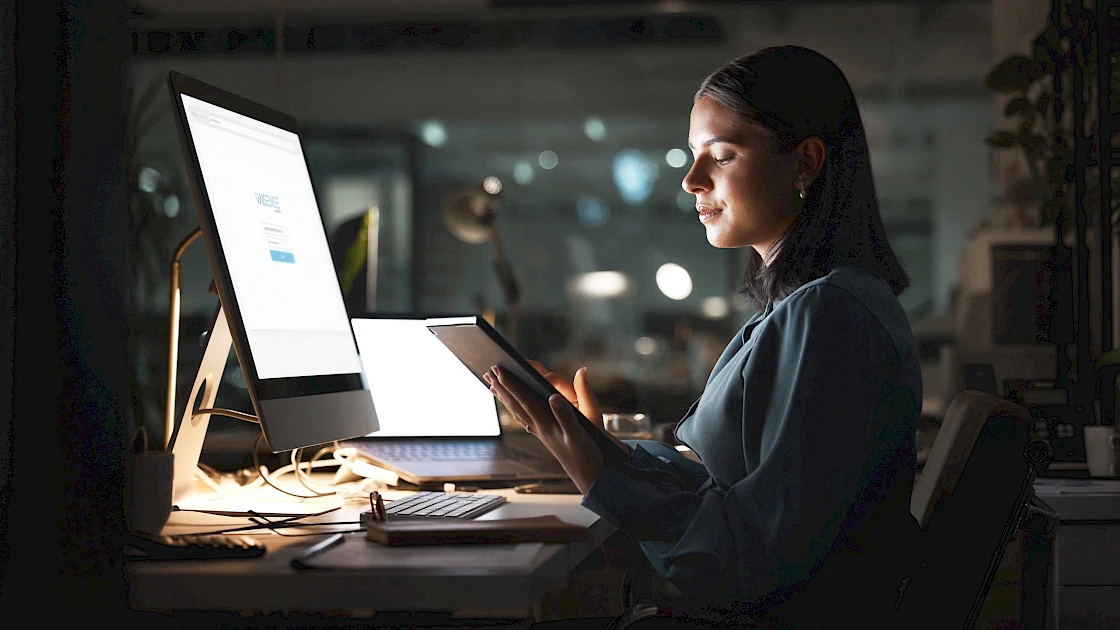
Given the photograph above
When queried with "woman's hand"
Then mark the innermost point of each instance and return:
(578, 392)
(555, 425)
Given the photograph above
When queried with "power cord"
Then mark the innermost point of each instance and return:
(264, 472)
(207, 474)
(284, 523)
(229, 413)
(305, 480)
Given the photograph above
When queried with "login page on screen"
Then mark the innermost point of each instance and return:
(274, 243)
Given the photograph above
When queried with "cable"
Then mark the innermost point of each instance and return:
(291, 521)
(262, 477)
(213, 479)
(264, 472)
(281, 471)
(276, 526)
(203, 476)
(229, 413)
(305, 479)
(296, 453)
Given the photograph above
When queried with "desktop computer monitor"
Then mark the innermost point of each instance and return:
(272, 267)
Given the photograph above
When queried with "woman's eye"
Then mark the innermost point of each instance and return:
(724, 160)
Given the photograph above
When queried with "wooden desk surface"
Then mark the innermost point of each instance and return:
(375, 578)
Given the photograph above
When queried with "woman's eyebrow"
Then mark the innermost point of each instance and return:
(710, 141)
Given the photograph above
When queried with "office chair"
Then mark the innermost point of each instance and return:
(973, 495)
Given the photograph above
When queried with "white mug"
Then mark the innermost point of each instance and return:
(629, 426)
(1102, 450)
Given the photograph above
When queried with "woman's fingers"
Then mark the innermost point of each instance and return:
(528, 403)
(501, 393)
(563, 413)
(563, 385)
(587, 402)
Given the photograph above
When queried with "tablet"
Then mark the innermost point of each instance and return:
(474, 342)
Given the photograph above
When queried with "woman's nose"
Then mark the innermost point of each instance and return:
(696, 180)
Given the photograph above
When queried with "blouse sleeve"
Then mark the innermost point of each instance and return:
(813, 382)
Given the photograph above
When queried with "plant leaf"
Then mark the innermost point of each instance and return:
(1031, 141)
(1002, 139)
(1044, 103)
(1014, 74)
(1016, 105)
(1044, 49)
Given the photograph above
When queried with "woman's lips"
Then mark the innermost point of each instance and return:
(707, 213)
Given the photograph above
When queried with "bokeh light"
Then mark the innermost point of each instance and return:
(548, 159)
(674, 281)
(433, 133)
(594, 128)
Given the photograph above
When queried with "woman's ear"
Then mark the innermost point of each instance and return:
(811, 154)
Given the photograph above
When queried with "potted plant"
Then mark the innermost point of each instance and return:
(1041, 88)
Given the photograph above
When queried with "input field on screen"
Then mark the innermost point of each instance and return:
(278, 242)
(249, 133)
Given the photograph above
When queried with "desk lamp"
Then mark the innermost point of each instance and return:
(470, 214)
(173, 336)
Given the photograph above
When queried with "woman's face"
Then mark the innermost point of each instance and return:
(745, 195)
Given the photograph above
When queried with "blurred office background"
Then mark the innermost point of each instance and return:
(579, 114)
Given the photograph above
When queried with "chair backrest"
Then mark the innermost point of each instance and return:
(969, 500)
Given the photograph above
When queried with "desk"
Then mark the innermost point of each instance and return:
(1084, 569)
(436, 578)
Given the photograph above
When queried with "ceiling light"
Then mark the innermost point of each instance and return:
(715, 307)
(548, 160)
(433, 133)
(171, 206)
(523, 172)
(492, 185)
(634, 175)
(645, 346)
(674, 281)
(594, 128)
(147, 179)
(602, 284)
(676, 158)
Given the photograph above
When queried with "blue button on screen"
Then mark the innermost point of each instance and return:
(284, 257)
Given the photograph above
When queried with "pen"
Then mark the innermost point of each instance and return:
(316, 549)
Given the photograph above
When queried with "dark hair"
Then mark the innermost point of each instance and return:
(795, 93)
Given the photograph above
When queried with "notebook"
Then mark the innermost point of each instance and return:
(438, 423)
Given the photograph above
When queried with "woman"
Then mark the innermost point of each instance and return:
(800, 509)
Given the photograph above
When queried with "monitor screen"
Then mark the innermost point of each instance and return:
(272, 267)
(274, 243)
(419, 387)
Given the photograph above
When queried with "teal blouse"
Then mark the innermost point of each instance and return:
(806, 431)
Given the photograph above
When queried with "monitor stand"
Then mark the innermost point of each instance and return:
(191, 432)
(187, 442)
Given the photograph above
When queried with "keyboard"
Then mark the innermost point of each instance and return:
(443, 504)
(191, 547)
(436, 452)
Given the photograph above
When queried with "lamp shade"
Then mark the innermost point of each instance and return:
(469, 214)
